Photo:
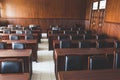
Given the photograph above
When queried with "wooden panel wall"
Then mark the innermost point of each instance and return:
(111, 25)
(43, 12)
(113, 11)
(112, 19)
(43, 9)
(44, 23)
(112, 29)
(88, 6)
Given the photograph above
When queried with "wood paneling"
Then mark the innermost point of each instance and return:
(43, 9)
(112, 29)
(43, 12)
(88, 6)
(44, 23)
(87, 24)
(113, 11)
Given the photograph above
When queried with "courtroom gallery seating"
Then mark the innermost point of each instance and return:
(18, 45)
(63, 37)
(19, 32)
(75, 62)
(117, 44)
(70, 32)
(6, 31)
(89, 36)
(29, 37)
(13, 37)
(81, 32)
(99, 62)
(76, 37)
(28, 31)
(65, 44)
(105, 44)
(56, 32)
(102, 36)
(87, 44)
(8, 67)
(117, 60)
(2, 45)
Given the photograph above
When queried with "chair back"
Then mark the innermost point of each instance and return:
(12, 66)
(87, 44)
(99, 62)
(76, 62)
(19, 32)
(28, 31)
(17, 45)
(65, 44)
(63, 37)
(29, 37)
(2, 45)
(89, 37)
(13, 37)
(117, 44)
(105, 44)
(116, 60)
(6, 31)
(77, 37)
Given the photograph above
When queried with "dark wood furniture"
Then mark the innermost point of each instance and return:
(60, 54)
(52, 37)
(38, 32)
(29, 44)
(107, 74)
(74, 43)
(25, 55)
(21, 36)
(21, 76)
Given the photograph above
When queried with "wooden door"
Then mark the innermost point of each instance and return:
(97, 15)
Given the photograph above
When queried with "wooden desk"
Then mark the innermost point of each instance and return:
(21, 36)
(29, 44)
(38, 32)
(52, 37)
(50, 40)
(21, 76)
(109, 74)
(25, 55)
(59, 55)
